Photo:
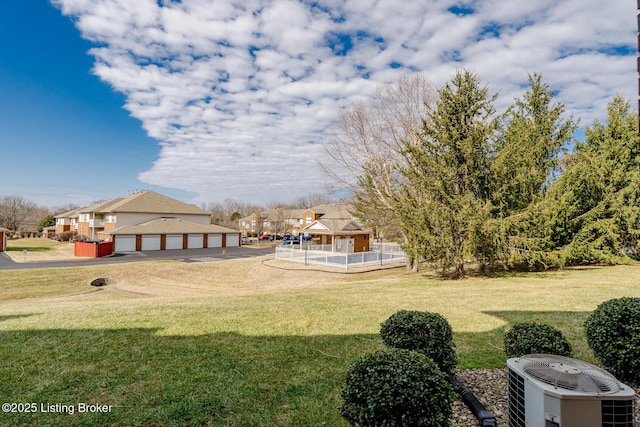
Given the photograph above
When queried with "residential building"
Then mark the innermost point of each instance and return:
(331, 224)
(147, 220)
(133, 209)
(273, 221)
(67, 221)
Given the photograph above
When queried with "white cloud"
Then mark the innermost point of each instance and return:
(242, 95)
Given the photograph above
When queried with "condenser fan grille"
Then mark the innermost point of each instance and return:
(569, 374)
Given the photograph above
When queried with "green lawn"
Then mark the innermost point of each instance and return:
(241, 344)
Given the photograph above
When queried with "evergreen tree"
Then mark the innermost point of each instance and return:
(592, 212)
(608, 220)
(534, 136)
(47, 221)
(448, 188)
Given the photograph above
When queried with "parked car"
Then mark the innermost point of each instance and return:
(290, 244)
(287, 237)
(264, 237)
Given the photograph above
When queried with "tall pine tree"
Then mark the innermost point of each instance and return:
(592, 212)
(448, 189)
(529, 150)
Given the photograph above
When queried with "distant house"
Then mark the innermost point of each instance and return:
(335, 225)
(325, 223)
(273, 221)
(326, 211)
(49, 232)
(148, 220)
(67, 221)
(251, 225)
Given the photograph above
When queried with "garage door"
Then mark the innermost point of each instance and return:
(233, 239)
(174, 241)
(125, 243)
(195, 241)
(151, 243)
(214, 240)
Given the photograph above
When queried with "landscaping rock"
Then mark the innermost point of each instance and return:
(490, 387)
(102, 281)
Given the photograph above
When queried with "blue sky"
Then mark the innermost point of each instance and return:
(206, 100)
(65, 134)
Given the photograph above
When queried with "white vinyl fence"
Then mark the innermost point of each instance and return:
(385, 254)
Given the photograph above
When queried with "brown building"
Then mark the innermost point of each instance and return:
(343, 235)
(3, 239)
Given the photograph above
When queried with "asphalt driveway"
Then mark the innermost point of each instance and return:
(191, 255)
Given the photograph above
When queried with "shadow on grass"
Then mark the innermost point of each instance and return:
(515, 272)
(29, 248)
(486, 349)
(149, 379)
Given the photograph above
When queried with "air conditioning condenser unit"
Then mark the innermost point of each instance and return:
(555, 391)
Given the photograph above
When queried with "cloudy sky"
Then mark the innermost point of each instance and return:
(212, 99)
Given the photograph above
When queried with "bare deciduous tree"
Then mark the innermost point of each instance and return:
(14, 210)
(369, 148)
(64, 208)
(228, 212)
(310, 200)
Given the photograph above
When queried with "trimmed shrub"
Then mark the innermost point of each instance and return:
(530, 337)
(66, 236)
(613, 333)
(396, 387)
(429, 333)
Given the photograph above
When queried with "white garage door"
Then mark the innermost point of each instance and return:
(125, 243)
(214, 240)
(195, 241)
(174, 241)
(233, 239)
(151, 243)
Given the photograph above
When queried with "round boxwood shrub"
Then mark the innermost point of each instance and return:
(395, 387)
(613, 333)
(530, 337)
(429, 333)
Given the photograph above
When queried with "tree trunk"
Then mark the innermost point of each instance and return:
(459, 273)
(412, 264)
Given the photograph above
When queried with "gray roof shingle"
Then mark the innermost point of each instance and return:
(169, 225)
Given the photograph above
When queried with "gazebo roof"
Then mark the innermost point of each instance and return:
(335, 227)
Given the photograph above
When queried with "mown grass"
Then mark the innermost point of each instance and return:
(34, 244)
(39, 249)
(241, 344)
